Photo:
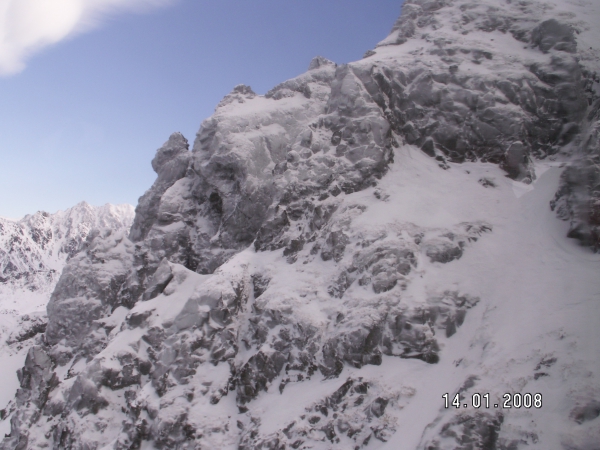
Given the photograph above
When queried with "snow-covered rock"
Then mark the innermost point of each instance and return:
(333, 257)
(34, 249)
(33, 253)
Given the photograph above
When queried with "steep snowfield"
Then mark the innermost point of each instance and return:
(540, 301)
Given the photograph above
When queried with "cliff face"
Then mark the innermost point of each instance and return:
(332, 257)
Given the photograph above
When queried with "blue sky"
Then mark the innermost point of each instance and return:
(80, 119)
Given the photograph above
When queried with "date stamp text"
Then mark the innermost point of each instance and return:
(508, 401)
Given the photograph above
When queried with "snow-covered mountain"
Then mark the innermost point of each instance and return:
(333, 258)
(33, 252)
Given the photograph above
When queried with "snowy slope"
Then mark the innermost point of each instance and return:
(332, 258)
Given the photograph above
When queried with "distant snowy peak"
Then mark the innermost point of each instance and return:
(34, 249)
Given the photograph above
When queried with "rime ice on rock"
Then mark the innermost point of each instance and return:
(319, 61)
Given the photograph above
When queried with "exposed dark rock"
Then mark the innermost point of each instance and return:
(36, 378)
(128, 374)
(170, 163)
(335, 244)
(31, 326)
(470, 431)
(356, 411)
(88, 290)
(443, 251)
(260, 284)
(515, 161)
(586, 412)
(319, 61)
(85, 395)
(239, 94)
(578, 198)
(486, 182)
(552, 34)
(161, 278)
(254, 376)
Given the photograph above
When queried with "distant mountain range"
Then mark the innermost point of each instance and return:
(34, 249)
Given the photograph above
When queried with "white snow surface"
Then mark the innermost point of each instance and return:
(540, 299)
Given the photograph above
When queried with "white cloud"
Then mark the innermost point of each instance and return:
(26, 26)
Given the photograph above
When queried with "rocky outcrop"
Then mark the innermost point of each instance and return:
(33, 253)
(92, 286)
(170, 164)
(448, 97)
(241, 321)
(578, 199)
(352, 416)
(530, 110)
(449, 108)
(37, 380)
